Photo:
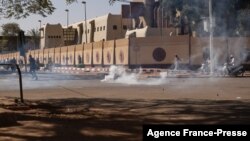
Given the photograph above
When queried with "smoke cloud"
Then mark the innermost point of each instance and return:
(118, 74)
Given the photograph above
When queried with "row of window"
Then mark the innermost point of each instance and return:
(71, 34)
(55, 37)
(102, 28)
(99, 29)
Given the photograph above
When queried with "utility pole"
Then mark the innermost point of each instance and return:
(67, 10)
(85, 12)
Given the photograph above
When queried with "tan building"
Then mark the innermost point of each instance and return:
(51, 36)
(138, 19)
(106, 27)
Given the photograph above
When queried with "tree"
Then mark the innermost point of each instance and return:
(9, 39)
(23, 8)
(10, 29)
(34, 38)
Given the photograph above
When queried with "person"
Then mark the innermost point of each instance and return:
(13, 63)
(231, 61)
(20, 62)
(176, 62)
(50, 64)
(33, 67)
(224, 69)
(79, 59)
(207, 65)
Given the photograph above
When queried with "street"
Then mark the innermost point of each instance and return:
(82, 107)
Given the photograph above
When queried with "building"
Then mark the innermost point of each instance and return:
(138, 37)
(141, 18)
(51, 36)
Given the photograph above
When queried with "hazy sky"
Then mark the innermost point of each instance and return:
(95, 8)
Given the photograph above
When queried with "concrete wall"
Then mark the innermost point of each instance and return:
(122, 52)
(64, 55)
(51, 55)
(36, 56)
(45, 56)
(79, 54)
(147, 52)
(108, 53)
(57, 56)
(98, 53)
(88, 54)
(71, 55)
(158, 50)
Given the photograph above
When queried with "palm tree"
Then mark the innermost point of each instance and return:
(35, 38)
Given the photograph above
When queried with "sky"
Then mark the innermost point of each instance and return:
(95, 8)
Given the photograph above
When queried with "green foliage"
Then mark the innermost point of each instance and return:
(3, 44)
(35, 37)
(24, 8)
(10, 29)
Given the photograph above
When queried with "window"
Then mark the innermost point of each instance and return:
(69, 36)
(97, 29)
(103, 27)
(88, 30)
(114, 27)
(124, 27)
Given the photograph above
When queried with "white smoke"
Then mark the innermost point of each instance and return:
(118, 74)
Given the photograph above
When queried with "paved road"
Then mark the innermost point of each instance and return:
(71, 107)
(52, 85)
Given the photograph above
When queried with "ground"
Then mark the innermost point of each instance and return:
(81, 107)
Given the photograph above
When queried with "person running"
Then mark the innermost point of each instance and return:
(33, 67)
(176, 62)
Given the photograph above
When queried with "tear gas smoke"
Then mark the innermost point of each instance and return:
(118, 74)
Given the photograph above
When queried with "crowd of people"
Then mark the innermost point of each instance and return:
(206, 66)
(228, 67)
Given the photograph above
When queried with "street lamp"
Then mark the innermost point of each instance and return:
(67, 10)
(40, 24)
(85, 9)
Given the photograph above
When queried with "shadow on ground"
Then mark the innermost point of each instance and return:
(110, 119)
